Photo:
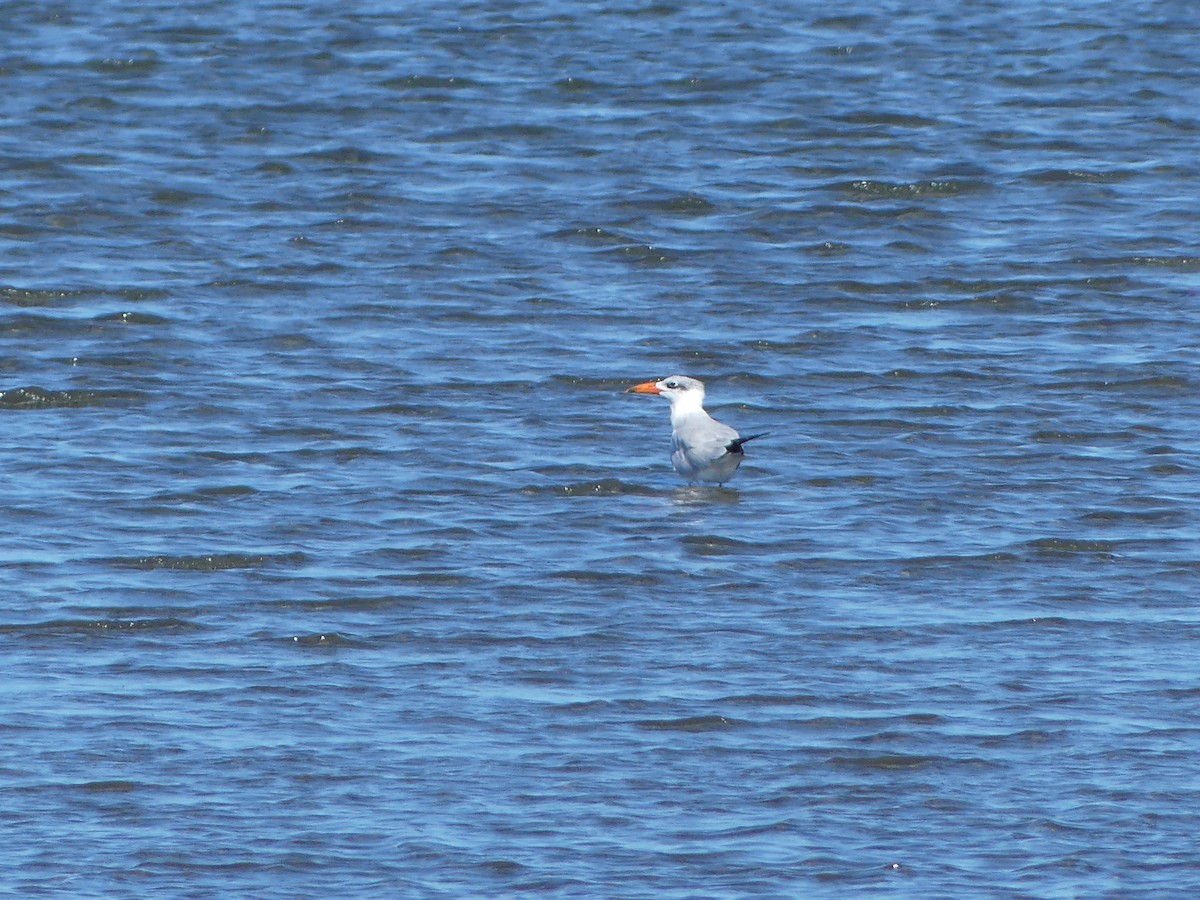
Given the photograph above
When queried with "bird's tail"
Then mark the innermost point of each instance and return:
(735, 446)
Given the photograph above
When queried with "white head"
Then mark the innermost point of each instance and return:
(681, 390)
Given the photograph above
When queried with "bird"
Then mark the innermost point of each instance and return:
(702, 449)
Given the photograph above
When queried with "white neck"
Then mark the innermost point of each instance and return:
(686, 405)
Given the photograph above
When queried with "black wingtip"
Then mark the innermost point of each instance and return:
(735, 446)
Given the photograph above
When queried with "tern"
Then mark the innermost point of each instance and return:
(702, 449)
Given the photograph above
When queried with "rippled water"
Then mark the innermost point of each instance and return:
(337, 562)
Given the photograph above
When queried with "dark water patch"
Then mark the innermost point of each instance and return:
(292, 341)
(347, 156)
(38, 327)
(344, 455)
(857, 213)
(872, 724)
(34, 297)
(177, 197)
(1180, 263)
(830, 248)
(396, 556)
(888, 119)
(40, 398)
(651, 11)
(717, 545)
(645, 255)
(261, 286)
(147, 363)
(429, 83)
(888, 426)
(847, 22)
(1080, 176)
(574, 87)
(1041, 623)
(511, 137)
(306, 432)
(140, 65)
(1053, 547)
(350, 603)
(455, 253)
(1085, 438)
(109, 787)
(909, 247)
(604, 487)
(405, 411)
(37, 297)
(961, 561)
(327, 641)
(217, 562)
(478, 639)
(884, 762)
(701, 89)
(592, 235)
(238, 456)
(692, 724)
(432, 579)
(1168, 469)
(506, 868)
(1015, 292)
(276, 168)
(885, 190)
(1149, 385)
(92, 103)
(767, 699)
(684, 205)
(805, 343)
(216, 493)
(133, 318)
(1118, 517)
(1026, 737)
(185, 33)
(98, 626)
(19, 232)
(610, 578)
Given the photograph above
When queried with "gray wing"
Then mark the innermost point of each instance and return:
(703, 440)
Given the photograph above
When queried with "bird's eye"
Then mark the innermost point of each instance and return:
(672, 384)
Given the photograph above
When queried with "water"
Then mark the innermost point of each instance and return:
(338, 563)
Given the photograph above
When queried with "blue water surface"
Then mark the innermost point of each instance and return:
(339, 564)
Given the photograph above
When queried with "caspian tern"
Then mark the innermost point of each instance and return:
(702, 449)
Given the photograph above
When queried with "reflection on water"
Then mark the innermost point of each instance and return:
(703, 495)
